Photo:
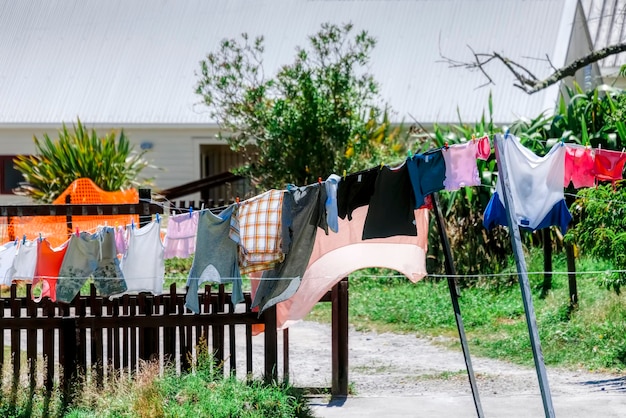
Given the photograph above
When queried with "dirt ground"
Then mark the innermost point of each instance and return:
(404, 365)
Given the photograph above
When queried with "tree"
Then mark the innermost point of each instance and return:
(316, 116)
(109, 161)
(525, 79)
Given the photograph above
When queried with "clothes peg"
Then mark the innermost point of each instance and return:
(445, 145)
(190, 211)
(237, 200)
(344, 174)
(24, 239)
(40, 237)
(202, 206)
(319, 180)
(77, 232)
(473, 138)
(158, 218)
(132, 224)
(409, 154)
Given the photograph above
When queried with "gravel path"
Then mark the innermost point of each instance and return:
(404, 365)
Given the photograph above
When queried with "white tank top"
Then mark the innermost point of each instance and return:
(143, 265)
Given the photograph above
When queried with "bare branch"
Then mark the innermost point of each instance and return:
(525, 79)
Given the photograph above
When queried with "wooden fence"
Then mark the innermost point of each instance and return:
(101, 335)
(95, 333)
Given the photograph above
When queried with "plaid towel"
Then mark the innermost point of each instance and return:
(260, 230)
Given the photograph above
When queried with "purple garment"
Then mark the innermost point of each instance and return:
(180, 236)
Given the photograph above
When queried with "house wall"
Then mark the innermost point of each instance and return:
(581, 45)
(174, 156)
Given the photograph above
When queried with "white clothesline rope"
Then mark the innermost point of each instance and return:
(357, 277)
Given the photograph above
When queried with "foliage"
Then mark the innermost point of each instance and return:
(594, 118)
(109, 161)
(600, 228)
(316, 116)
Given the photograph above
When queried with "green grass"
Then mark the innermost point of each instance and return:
(203, 392)
(589, 337)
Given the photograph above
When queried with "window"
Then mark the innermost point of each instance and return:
(10, 178)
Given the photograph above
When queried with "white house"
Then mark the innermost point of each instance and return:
(132, 64)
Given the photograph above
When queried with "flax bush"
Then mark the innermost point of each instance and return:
(109, 161)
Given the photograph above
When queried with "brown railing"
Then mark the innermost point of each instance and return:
(100, 335)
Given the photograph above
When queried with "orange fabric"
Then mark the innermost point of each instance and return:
(81, 191)
(47, 268)
(254, 284)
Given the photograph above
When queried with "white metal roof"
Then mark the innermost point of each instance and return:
(606, 21)
(134, 61)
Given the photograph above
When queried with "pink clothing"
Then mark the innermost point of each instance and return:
(460, 159)
(337, 255)
(180, 236)
(579, 162)
(120, 240)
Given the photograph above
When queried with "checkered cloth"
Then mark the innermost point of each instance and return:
(260, 231)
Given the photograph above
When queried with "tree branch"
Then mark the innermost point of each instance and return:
(526, 80)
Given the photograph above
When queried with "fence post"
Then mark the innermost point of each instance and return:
(68, 362)
(144, 194)
(339, 301)
(68, 215)
(271, 345)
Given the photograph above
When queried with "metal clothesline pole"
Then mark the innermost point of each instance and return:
(520, 262)
(450, 270)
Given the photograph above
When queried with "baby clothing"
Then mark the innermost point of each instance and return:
(460, 162)
(579, 166)
(143, 265)
(427, 172)
(24, 262)
(608, 165)
(215, 258)
(8, 252)
(391, 206)
(536, 188)
(47, 269)
(355, 190)
(331, 184)
(180, 235)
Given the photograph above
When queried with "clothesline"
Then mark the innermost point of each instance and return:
(375, 276)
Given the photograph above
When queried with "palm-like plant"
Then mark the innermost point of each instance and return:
(109, 161)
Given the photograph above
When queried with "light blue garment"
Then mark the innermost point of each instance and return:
(90, 256)
(80, 261)
(332, 217)
(215, 259)
(108, 276)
